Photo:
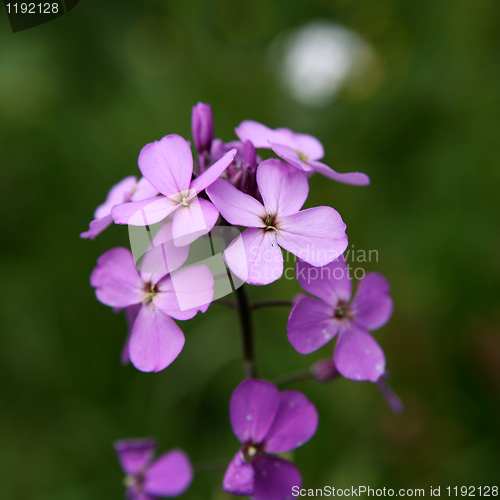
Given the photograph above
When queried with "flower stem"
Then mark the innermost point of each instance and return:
(245, 316)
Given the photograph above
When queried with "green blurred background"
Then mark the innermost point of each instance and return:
(81, 95)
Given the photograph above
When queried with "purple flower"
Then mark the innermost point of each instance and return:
(126, 190)
(155, 339)
(314, 322)
(301, 150)
(316, 235)
(168, 165)
(168, 476)
(266, 421)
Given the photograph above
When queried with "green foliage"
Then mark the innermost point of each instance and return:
(81, 95)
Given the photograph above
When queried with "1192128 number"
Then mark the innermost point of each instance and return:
(472, 491)
(32, 8)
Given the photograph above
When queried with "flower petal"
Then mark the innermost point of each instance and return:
(284, 189)
(236, 207)
(119, 193)
(330, 283)
(97, 226)
(116, 279)
(144, 190)
(307, 144)
(252, 409)
(291, 156)
(167, 164)
(354, 178)
(316, 235)
(170, 475)
(185, 292)
(213, 173)
(257, 133)
(372, 305)
(144, 212)
(193, 221)
(295, 423)
(239, 476)
(130, 315)
(134, 455)
(155, 340)
(255, 257)
(358, 356)
(274, 478)
(311, 325)
(162, 256)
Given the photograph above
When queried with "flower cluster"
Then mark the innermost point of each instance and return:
(179, 202)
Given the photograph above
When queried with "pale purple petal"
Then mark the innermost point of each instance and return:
(144, 190)
(354, 178)
(295, 423)
(119, 193)
(316, 235)
(167, 164)
(213, 173)
(358, 356)
(239, 476)
(330, 283)
(236, 207)
(254, 132)
(252, 409)
(155, 340)
(311, 325)
(291, 156)
(116, 279)
(185, 292)
(193, 221)
(162, 256)
(130, 315)
(274, 478)
(307, 144)
(170, 475)
(97, 226)
(284, 189)
(255, 257)
(134, 455)
(372, 305)
(144, 212)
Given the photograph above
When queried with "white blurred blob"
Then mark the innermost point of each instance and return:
(321, 57)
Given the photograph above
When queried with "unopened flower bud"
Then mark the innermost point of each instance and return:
(324, 370)
(202, 126)
(392, 399)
